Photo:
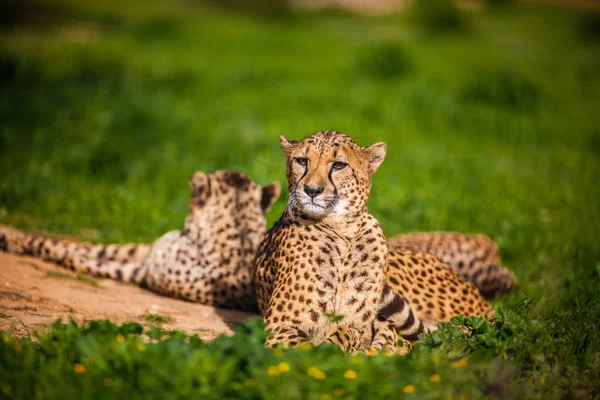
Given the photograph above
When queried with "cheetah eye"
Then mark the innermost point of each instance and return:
(338, 165)
(302, 161)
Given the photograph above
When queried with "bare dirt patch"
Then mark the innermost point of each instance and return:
(34, 294)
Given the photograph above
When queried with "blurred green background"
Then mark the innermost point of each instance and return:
(490, 115)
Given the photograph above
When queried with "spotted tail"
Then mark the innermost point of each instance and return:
(397, 310)
(120, 262)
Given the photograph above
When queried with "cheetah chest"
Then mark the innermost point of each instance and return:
(328, 276)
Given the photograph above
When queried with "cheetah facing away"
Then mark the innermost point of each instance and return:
(474, 257)
(328, 255)
(209, 261)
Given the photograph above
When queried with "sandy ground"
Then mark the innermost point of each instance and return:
(34, 294)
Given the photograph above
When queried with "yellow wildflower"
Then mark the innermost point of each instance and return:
(371, 351)
(542, 381)
(435, 378)
(435, 358)
(141, 347)
(319, 375)
(120, 338)
(6, 339)
(408, 389)
(284, 367)
(316, 373)
(108, 382)
(325, 397)
(350, 374)
(339, 391)
(306, 346)
(79, 368)
(18, 346)
(250, 382)
(459, 364)
(273, 371)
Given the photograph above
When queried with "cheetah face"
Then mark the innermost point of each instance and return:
(227, 194)
(329, 174)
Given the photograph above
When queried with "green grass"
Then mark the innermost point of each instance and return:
(157, 318)
(491, 123)
(81, 278)
(31, 264)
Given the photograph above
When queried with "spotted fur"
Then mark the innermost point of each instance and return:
(434, 290)
(326, 255)
(475, 257)
(209, 261)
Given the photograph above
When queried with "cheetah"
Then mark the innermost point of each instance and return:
(209, 261)
(328, 256)
(475, 257)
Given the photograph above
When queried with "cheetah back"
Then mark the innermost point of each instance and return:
(474, 257)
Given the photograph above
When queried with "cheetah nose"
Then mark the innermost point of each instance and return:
(313, 191)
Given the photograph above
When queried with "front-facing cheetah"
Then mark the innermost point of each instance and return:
(326, 255)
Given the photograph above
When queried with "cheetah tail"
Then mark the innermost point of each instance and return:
(120, 262)
(498, 282)
(398, 311)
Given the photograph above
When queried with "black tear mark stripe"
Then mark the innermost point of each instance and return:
(302, 177)
(329, 176)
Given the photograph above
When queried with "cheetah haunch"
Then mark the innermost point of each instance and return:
(208, 262)
(474, 257)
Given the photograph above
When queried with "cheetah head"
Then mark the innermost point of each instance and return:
(329, 174)
(230, 196)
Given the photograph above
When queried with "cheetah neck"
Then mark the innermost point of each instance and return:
(345, 227)
(224, 244)
(198, 227)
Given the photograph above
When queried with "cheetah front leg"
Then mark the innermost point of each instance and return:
(348, 339)
(284, 336)
(386, 338)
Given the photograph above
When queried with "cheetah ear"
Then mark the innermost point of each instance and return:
(287, 145)
(374, 155)
(198, 182)
(270, 194)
